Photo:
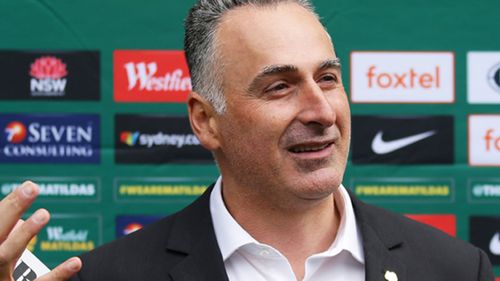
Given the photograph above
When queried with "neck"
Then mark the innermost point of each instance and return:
(296, 229)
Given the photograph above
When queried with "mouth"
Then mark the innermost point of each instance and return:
(305, 148)
(312, 149)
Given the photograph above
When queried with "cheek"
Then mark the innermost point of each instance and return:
(343, 114)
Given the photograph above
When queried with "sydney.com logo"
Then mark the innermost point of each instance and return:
(158, 139)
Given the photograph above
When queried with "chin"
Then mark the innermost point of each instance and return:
(318, 184)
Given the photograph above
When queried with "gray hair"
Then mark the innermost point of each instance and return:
(200, 46)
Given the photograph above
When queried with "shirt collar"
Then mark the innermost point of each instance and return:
(231, 236)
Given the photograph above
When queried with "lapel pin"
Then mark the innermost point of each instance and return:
(390, 276)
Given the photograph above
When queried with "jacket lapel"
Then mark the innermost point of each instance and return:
(382, 243)
(193, 238)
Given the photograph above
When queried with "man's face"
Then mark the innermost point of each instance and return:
(286, 130)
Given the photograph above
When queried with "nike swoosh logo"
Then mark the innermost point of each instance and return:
(495, 244)
(379, 146)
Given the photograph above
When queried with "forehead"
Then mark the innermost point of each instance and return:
(249, 38)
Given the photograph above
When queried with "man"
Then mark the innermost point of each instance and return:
(268, 101)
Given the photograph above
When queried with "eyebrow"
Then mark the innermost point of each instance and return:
(330, 63)
(287, 68)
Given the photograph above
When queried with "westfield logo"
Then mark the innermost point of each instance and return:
(144, 77)
(150, 76)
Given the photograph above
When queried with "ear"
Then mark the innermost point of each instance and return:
(202, 119)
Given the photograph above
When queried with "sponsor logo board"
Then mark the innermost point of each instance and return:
(444, 222)
(127, 224)
(402, 139)
(54, 138)
(483, 77)
(67, 235)
(159, 189)
(402, 77)
(157, 139)
(484, 190)
(484, 140)
(40, 75)
(484, 232)
(150, 76)
(399, 190)
(57, 189)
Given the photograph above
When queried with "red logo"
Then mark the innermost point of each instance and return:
(150, 76)
(16, 132)
(131, 228)
(445, 223)
(48, 67)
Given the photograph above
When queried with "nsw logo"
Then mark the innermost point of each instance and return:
(48, 76)
(402, 140)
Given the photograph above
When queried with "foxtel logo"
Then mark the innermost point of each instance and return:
(402, 77)
(150, 76)
(484, 140)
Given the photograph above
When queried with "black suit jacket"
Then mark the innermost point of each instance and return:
(183, 247)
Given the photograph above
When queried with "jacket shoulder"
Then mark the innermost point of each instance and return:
(425, 249)
(131, 256)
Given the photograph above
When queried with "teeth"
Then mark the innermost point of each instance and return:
(308, 149)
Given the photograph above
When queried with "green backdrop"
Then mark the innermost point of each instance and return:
(438, 25)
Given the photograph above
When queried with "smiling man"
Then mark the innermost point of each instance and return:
(269, 102)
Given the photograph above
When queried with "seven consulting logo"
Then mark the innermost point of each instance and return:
(63, 75)
(485, 233)
(402, 77)
(483, 77)
(157, 139)
(150, 76)
(484, 140)
(62, 138)
(402, 139)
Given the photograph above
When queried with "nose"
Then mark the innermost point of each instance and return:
(315, 106)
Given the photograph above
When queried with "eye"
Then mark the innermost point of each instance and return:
(328, 78)
(277, 87)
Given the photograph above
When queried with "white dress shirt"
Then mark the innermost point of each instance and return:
(245, 259)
